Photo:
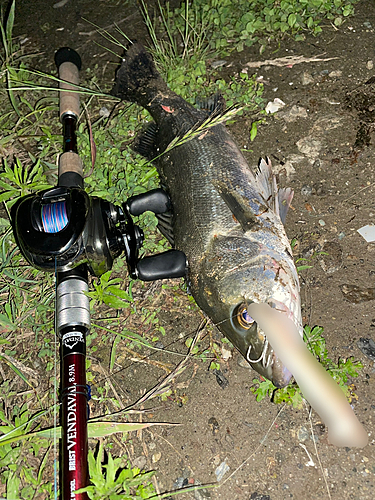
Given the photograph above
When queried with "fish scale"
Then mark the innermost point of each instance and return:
(228, 222)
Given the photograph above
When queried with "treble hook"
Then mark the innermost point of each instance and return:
(262, 357)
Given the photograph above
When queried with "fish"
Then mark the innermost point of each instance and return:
(228, 221)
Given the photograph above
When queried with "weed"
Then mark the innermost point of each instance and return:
(193, 34)
(340, 372)
(107, 292)
(262, 21)
(116, 479)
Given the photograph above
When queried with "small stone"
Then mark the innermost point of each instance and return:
(303, 434)
(321, 222)
(370, 65)
(178, 483)
(294, 113)
(221, 471)
(140, 462)
(367, 346)
(335, 74)
(309, 146)
(104, 112)
(306, 190)
(241, 361)
(218, 64)
(214, 424)
(221, 379)
(259, 496)
(331, 258)
(306, 78)
(156, 457)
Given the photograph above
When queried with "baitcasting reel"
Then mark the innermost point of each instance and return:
(60, 228)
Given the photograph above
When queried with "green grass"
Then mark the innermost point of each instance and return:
(126, 318)
(342, 372)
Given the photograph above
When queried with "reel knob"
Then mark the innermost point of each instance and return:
(166, 265)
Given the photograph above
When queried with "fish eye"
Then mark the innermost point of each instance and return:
(242, 317)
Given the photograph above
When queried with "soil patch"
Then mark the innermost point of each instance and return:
(322, 144)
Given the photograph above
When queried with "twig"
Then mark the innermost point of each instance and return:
(255, 451)
(317, 454)
(177, 371)
(288, 61)
(362, 189)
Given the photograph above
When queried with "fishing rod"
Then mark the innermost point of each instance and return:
(65, 231)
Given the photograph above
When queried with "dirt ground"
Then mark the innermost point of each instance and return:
(323, 144)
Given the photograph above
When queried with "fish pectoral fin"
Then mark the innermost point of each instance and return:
(237, 204)
(144, 143)
(165, 226)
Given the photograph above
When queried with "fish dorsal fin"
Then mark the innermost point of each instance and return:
(285, 200)
(213, 105)
(278, 200)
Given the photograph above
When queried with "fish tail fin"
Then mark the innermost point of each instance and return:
(136, 73)
(278, 200)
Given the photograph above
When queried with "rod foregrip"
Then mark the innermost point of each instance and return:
(68, 62)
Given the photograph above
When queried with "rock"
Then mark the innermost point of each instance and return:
(288, 167)
(221, 471)
(140, 462)
(274, 105)
(331, 262)
(310, 146)
(259, 496)
(214, 424)
(335, 74)
(294, 113)
(356, 294)
(306, 190)
(306, 78)
(370, 65)
(218, 64)
(241, 361)
(303, 434)
(367, 346)
(221, 379)
(156, 457)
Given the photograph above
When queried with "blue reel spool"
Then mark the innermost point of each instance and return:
(54, 217)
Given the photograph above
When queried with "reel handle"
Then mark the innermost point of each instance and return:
(166, 265)
(156, 201)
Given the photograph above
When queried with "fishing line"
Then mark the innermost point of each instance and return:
(55, 455)
(54, 217)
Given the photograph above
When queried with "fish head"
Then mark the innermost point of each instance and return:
(282, 295)
(255, 346)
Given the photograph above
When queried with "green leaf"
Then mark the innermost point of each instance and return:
(94, 429)
(10, 23)
(253, 131)
(13, 486)
(292, 20)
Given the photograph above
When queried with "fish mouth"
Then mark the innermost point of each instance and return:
(269, 365)
(263, 358)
